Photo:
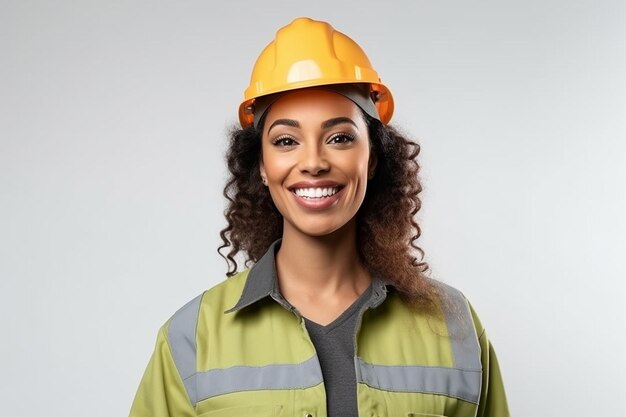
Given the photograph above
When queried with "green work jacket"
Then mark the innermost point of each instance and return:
(239, 349)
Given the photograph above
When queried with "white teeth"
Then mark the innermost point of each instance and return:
(316, 192)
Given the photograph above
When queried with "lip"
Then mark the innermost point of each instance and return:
(315, 184)
(316, 204)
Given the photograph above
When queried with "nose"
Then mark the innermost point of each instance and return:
(313, 161)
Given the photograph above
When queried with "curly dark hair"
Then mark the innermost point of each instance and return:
(386, 227)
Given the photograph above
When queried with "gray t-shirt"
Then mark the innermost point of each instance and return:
(334, 344)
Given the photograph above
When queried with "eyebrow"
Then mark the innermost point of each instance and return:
(336, 121)
(286, 122)
(325, 125)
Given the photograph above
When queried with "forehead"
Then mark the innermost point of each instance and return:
(312, 105)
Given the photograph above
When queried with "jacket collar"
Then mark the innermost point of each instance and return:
(262, 282)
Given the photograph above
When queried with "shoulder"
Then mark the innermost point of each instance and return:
(214, 300)
(225, 294)
(454, 303)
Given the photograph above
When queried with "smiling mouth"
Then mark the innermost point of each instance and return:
(317, 193)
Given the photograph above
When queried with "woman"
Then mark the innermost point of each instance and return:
(337, 316)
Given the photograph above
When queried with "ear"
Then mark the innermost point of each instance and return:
(262, 171)
(371, 165)
(261, 168)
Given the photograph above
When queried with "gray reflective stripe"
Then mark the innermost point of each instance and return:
(181, 334)
(250, 378)
(457, 383)
(462, 333)
(463, 380)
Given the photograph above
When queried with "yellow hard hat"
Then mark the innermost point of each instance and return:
(309, 53)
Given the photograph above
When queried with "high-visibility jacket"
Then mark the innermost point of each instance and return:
(239, 349)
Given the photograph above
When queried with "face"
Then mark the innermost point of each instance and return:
(316, 159)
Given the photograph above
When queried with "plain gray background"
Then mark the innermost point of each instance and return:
(112, 131)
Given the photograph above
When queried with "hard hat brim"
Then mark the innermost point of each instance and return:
(382, 101)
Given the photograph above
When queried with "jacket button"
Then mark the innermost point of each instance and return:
(308, 415)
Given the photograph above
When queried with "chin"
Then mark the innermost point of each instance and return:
(319, 229)
(319, 233)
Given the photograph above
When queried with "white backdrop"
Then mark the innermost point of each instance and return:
(112, 132)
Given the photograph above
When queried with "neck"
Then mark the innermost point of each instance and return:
(321, 266)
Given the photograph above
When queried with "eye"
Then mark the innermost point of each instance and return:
(341, 139)
(284, 141)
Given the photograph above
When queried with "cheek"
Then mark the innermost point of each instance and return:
(277, 168)
(356, 164)
(274, 164)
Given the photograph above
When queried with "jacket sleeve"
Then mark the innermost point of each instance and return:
(161, 392)
(493, 402)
